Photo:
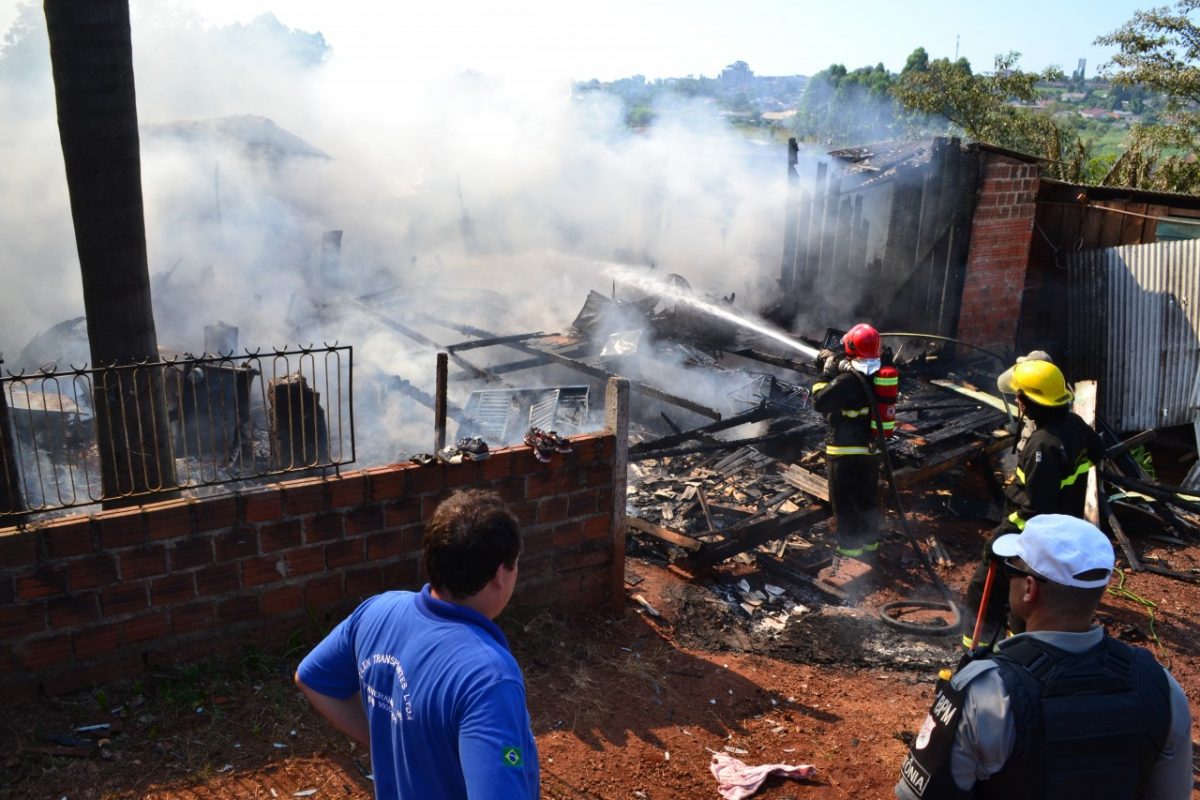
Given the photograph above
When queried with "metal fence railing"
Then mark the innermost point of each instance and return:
(83, 436)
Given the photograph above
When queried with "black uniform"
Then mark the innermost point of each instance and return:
(851, 464)
(1051, 478)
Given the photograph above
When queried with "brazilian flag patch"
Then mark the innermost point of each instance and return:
(512, 757)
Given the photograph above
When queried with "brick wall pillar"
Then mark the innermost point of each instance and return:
(998, 260)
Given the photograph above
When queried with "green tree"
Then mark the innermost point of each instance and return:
(1159, 49)
(988, 107)
(841, 107)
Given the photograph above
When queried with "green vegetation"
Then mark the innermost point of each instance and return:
(1137, 127)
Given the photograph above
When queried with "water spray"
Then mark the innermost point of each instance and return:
(659, 288)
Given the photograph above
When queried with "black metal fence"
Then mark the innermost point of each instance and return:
(84, 436)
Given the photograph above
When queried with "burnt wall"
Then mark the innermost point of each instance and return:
(1001, 232)
(88, 599)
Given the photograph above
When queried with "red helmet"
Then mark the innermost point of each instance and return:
(862, 341)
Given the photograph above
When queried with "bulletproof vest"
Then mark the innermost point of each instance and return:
(1087, 725)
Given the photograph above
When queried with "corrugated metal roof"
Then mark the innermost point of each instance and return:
(1134, 324)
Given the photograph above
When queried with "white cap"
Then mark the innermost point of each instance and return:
(1060, 548)
(1004, 381)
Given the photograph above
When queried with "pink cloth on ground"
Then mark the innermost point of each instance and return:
(737, 780)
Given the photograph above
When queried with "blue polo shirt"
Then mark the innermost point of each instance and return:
(445, 699)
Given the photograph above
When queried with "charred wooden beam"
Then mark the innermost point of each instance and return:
(474, 344)
(588, 369)
(398, 384)
(805, 481)
(755, 414)
(775, 361)
(666, 534)
(715, 446)
(503, 369)
(420, 338)
(751, 534)
(912, 476)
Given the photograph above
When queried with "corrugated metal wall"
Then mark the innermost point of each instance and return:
(1134, 325)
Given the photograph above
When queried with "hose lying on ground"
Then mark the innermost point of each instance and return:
(884, 613)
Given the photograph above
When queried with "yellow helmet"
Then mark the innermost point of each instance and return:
(1041, 382)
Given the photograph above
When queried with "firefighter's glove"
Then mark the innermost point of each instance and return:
(826, 361)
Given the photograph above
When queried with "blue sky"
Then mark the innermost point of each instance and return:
(616, 38)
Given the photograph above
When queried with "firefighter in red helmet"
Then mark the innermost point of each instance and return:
(849, 385)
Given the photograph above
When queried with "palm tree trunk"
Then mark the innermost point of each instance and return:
(92, 57)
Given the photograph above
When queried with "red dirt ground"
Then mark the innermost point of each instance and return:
(626, 708)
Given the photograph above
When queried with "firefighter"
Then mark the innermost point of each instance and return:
(1050, 476)
(849, 386)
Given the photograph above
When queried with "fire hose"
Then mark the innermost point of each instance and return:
(886, 612)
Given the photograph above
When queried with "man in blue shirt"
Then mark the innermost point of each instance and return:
(426, 679)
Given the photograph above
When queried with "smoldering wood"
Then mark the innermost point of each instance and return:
(806, 481)
(299, 437)
(504, 369)
(397, 384)
(666, 534)
(419, 338)
(752, 534)
(755, 414)
(585, 368)
(494, 340)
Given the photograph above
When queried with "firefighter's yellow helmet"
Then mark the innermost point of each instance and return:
(1041, 382)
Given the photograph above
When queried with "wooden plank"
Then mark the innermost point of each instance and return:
(1119, 534)
(751, 535)
(666, 534)
(911, 476)
(992, 400)
(805, 481)
(964, 424)
(1111, 224)
(1131, 228)
(704, 507)
(1085, 407)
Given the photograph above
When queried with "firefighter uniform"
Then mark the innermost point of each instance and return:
(1050, 477)
(851, 463)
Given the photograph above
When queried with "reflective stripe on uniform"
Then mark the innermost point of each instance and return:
(854, 552)
(854, 413)
(819, 385)
(1021, 475)
(1016, 519)
(887, 381)
(846, 450)
(1082, 469)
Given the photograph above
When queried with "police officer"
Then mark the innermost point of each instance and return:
(1050, 477)
(1062, 710)
(851, 464)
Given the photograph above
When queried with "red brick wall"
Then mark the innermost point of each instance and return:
(1001, 232)
(86, 600)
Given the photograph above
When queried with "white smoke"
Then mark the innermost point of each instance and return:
(482, 199)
